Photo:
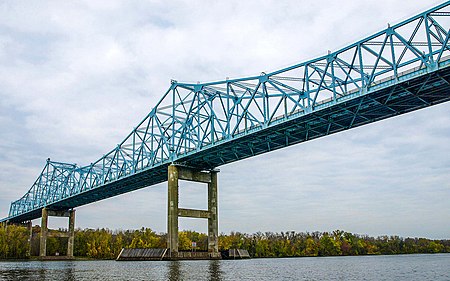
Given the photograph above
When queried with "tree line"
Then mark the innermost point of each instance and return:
(107, 244)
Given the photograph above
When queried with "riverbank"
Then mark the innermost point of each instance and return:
(107, 244)
(36, 258)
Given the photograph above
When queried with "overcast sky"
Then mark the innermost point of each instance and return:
(77, 76)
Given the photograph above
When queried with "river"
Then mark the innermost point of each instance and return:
(399, 267)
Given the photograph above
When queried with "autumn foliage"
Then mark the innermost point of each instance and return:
(106, 244)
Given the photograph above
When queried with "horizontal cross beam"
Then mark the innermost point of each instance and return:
(59, 234)
(55, 213)
(191, 213)
(190, 175)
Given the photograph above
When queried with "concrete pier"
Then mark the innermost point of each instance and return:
(44, 231)
(213, 220)
(43, 236)
(30, 238)
(176, 173)
(71, 233)
(172, 222)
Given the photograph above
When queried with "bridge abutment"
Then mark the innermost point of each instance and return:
(176, 173)
(44, 231)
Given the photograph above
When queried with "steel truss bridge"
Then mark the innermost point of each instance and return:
(400, 69)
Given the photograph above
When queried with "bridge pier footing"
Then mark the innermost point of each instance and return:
(44, 232)
(176, 173)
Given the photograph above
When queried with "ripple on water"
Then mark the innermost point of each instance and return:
(401, 267)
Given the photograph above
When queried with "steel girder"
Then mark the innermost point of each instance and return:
(204, 125)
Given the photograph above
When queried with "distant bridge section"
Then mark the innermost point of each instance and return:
(202, 126)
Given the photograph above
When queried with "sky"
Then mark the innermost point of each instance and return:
(77, 76)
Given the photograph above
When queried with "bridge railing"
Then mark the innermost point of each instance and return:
(193, 116)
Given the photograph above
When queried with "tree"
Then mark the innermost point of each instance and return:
(312, 249)
(184, 243)
(14, 242)
(329, 246)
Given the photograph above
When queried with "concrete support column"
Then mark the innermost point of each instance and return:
(44, 231)
(30, 238)
(43, 236)
(172, 224)
(176, 173)
(71, 239)
(213, 221)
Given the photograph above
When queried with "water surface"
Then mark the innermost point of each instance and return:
(400, 267)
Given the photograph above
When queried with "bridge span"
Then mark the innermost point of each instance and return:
(195, 128)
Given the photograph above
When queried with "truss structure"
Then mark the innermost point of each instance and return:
(205, 125)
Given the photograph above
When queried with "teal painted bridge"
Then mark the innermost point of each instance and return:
(403, 68)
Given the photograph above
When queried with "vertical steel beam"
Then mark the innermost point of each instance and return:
(44, 230)
(172, 224)
(71, 239)
(213, 221)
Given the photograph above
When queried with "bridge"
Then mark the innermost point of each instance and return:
(197, 127)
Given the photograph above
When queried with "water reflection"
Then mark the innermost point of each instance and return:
(179, 270)
(42, 272)
(37, 271)
(215, 274)
(370, 268)
(69, 272)
(174, 271)
(57, 270)
(20, 274)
